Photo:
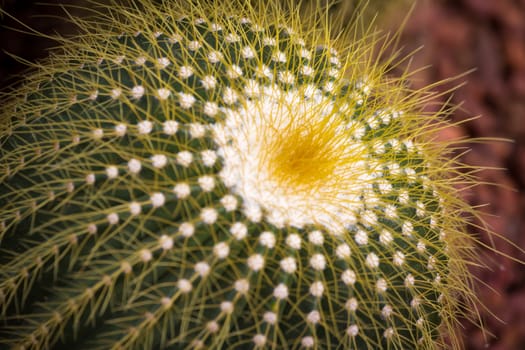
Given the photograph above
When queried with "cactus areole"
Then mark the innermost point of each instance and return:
(200, 176)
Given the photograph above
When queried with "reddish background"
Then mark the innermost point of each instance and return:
(489, 36)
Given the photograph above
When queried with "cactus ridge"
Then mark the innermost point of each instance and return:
(222, 180)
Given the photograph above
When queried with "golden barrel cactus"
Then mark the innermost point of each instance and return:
(226, 176)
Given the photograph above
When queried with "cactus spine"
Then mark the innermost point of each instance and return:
(224, 180)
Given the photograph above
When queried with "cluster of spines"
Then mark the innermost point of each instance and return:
(121, 195)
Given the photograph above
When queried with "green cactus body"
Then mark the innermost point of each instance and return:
(221, 181)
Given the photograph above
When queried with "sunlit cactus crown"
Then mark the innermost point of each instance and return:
(225, 179)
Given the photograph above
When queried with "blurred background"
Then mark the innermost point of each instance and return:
(453, 37)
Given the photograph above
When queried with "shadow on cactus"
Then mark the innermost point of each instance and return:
(226, 180)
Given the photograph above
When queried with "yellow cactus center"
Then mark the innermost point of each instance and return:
(294, 165)
(305, 156)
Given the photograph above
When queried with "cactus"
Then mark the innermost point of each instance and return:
(204, 176)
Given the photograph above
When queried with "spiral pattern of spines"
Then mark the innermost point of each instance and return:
(215, 182)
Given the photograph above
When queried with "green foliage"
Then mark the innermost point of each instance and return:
(224, 180)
